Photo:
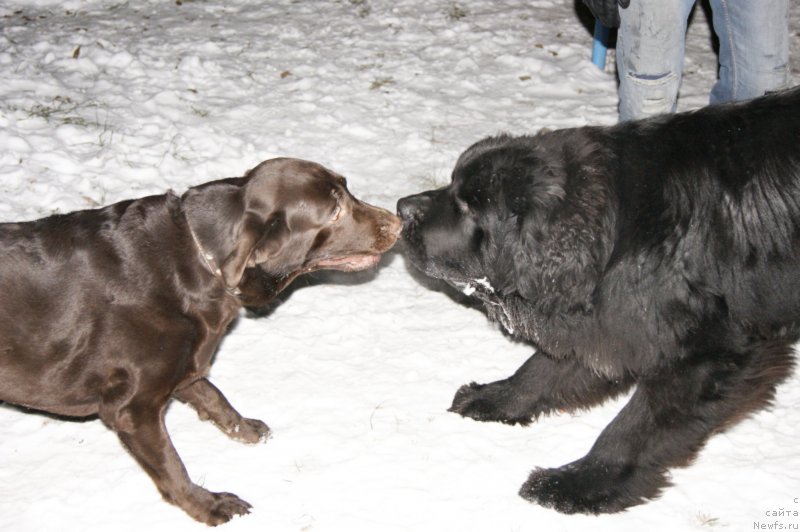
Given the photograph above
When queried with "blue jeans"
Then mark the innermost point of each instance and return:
(753, 55)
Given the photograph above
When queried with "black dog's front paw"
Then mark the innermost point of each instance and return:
(592, 489)
(490, 402)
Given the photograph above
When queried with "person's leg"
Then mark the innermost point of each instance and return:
(650, 47)
(753, 48)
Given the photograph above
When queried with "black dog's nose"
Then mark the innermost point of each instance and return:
(412, 207)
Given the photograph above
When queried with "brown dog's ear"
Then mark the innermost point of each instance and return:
(566, 237)
(257, 240)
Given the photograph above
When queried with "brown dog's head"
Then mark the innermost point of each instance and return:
(286, 217)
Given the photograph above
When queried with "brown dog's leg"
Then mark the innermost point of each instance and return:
(212, 405)
(141, 429)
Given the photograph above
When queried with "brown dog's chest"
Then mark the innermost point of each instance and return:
(212, 325)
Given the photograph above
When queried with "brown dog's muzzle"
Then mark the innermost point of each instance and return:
(389, 229)
(370, 230)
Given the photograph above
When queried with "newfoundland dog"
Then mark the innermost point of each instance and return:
(662, 254)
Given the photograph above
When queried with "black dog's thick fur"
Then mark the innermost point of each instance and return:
(663, 253)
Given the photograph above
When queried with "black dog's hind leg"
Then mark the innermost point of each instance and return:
(665, 424)
(541, 385)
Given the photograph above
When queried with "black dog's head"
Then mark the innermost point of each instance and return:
(530, 216)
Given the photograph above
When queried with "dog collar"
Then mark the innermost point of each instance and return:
(209, 261)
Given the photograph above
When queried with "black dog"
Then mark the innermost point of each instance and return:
(663, 253)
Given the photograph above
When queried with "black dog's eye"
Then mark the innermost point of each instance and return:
(476, 239)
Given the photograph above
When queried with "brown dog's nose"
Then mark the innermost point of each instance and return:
(393, 225)
(388, 228)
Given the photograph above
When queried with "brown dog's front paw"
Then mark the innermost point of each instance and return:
(226, 506)
(214, 508)
(250, 431)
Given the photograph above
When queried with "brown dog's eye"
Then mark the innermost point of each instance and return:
(337, 213)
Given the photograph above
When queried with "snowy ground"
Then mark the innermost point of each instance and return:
(101, 101)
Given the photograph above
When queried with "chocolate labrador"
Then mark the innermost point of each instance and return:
(115, 311)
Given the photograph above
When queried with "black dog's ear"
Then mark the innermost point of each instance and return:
(566, 226)
(532, 186)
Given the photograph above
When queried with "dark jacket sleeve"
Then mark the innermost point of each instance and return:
(607, 11)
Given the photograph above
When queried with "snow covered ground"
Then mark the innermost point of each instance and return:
(106, 100)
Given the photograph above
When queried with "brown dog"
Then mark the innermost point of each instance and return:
(114, 311)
